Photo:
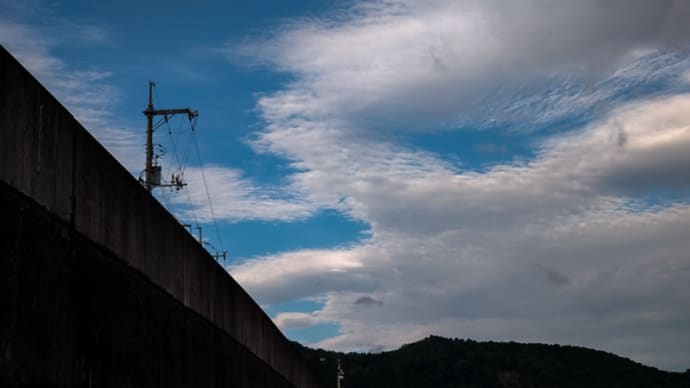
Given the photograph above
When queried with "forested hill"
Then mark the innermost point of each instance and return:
(437, 362)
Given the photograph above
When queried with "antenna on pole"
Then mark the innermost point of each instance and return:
(152, 171)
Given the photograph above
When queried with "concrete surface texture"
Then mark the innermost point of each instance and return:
(99, 283)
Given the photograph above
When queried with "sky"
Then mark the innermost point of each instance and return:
(381, 171)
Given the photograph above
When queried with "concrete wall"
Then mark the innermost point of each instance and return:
(46, 155)
(74, 315)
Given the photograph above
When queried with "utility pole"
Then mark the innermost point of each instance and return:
(152, 174)
(152, 171)
(340, 374)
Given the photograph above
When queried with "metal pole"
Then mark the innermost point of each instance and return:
(149, 140)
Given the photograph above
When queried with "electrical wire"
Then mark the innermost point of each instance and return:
(169, 203)
(162, 121)
(208, 194)
(188, 147)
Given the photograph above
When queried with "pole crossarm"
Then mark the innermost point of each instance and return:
(170, 112)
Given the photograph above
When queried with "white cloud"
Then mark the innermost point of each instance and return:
(289, 321)
(291, 275)
(568, 247)
(236, 198)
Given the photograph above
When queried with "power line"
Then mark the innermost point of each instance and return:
(208, 194)
(153, 170)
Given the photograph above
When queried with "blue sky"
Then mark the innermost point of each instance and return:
(385, 170)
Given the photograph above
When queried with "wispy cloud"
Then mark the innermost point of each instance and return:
(85, 92)
(237, 198)
(398, 64)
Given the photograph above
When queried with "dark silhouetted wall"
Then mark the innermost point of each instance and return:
(100, 286)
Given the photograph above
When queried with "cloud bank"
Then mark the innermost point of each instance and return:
(583, 244)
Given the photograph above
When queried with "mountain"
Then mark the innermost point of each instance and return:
(437, 362)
